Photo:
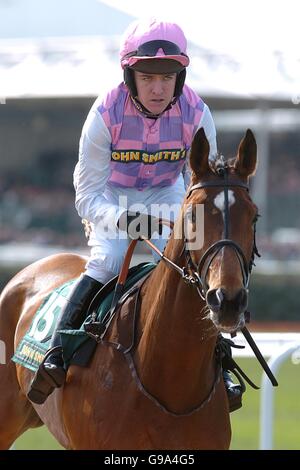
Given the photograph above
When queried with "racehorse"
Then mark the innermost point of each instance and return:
(165, 392)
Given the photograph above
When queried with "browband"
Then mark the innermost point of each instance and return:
(222, 184)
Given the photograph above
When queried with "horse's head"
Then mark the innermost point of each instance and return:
(223, 259)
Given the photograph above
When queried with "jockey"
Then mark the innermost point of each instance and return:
(133, 149)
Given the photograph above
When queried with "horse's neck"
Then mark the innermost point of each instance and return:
(176, 342)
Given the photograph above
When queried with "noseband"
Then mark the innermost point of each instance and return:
(199, 273)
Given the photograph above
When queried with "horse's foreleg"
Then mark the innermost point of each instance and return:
(16, 412)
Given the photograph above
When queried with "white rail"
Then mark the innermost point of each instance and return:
(277, 346)
(268, 343)
(267, 396)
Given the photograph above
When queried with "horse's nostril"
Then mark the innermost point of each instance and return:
(218, 300)
(241, 299)
(220, 294)
(215, 298)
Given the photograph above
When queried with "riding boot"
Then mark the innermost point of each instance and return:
(52, 373)
(234, 391)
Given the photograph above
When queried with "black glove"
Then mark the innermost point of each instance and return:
(139, 226)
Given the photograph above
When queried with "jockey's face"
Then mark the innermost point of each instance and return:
(155, 91)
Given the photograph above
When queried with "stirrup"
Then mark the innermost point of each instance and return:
(43, 383)
(94, 328)
(234, 400)
(234, 391)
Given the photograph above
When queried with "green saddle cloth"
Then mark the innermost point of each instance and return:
(36, 341)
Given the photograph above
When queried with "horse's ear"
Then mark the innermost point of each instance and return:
(199, 153)
(246, 159)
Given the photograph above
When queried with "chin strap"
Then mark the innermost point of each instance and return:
(141, 108)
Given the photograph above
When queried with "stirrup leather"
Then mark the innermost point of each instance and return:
(228, 363)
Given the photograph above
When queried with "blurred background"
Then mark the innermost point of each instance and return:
(57, 56)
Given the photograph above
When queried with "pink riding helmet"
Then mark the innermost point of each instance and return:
(153, 39)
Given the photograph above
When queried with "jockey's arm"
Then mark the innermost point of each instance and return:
(92, 172)
(208, 125)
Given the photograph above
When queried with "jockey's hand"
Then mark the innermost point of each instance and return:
(139, 226)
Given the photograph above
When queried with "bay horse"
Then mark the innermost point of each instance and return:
(167, 392)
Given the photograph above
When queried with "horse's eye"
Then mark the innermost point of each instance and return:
(255, 219)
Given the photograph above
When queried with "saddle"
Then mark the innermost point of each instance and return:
(101, 311)
(78, 345)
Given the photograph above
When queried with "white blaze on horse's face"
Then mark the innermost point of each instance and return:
(219, 200)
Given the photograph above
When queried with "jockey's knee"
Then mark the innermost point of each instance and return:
(104, 267)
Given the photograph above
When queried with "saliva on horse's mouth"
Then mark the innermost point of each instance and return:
(227, 328)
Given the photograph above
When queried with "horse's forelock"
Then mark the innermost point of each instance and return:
(220, 162)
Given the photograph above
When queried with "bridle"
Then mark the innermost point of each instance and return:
(199, 272)
(195, 275)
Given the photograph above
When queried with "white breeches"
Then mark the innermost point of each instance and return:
(107, 253)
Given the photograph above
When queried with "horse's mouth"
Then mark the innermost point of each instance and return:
(227, 324)
(227, 312)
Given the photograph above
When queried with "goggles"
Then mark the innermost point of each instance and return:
(151, 48)
(158, 49)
